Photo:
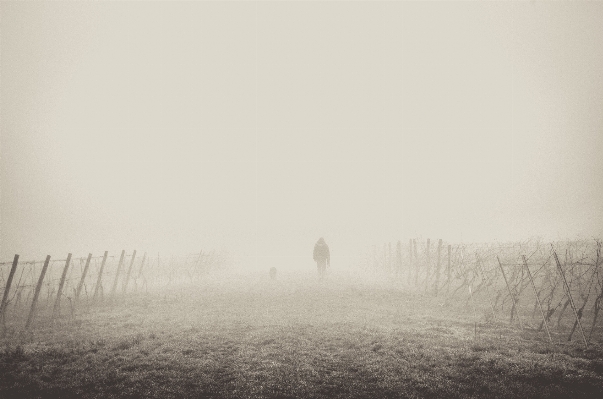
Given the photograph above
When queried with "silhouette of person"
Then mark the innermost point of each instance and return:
(322, 256)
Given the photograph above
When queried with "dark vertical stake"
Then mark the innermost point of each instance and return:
(129, 271)
(448, 271)
(80, 285)
(437, 283)
(121, 261)
(515, 302)
(569, 295)
(100, 276)
(546, 326)
(57, 302)
(144, 257)
(414, 244)
(37, 292)
(409, 261)
(4, 303)
(428, 269)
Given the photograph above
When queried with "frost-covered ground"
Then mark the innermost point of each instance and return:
(239, 334)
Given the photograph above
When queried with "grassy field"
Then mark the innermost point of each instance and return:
(349, 336)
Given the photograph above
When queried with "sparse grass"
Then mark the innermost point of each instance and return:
(296, 337)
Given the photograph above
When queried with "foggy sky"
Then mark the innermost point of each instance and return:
(261, 126)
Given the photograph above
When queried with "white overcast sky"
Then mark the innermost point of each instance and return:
(261, 126)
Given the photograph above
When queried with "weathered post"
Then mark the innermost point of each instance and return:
(437, 283)
(448, 271)
(474, 312)
(414, 244)
(4, 303)
(428, 268)
(81, 284)
(390, 261)
(139, 274)
(546, 326)
(121, 261)
(37, 292)
(515, 302)
(144, 258)
(129, 271)
(569, 295)
(100, 276)
(57, 302)
(409, 261)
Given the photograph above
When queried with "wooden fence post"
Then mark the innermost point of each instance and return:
(448, 271)
(4, 302)
(57, 302)
(37, 292)
(437, 283)
(121, 261)
(100, 276)
(409, 261)
(428, 268)
(80, 285)
(510, 292)
(474, 312)
(129, 271)
(569, 295)
(414, 244)
(546, 326)
(144, 257)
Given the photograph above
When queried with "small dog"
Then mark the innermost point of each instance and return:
(273, 273)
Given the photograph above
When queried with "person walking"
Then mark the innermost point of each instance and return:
(322, 256)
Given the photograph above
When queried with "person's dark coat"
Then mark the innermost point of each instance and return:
(321, 251)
